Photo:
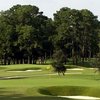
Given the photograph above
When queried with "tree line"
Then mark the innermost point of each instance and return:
(27, 35)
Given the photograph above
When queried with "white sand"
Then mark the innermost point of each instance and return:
(81, 97)
(76, 69)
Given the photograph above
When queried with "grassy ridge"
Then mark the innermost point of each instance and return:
(71, 91)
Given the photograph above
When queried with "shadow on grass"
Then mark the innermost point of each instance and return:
(25, 69)
(13, 97)
(10, 78)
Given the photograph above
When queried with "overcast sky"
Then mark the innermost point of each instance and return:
(51, 6)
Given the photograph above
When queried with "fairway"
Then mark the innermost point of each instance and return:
(40, 82)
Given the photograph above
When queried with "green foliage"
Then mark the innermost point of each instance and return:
(59, 56)
(59, 60)
(96, 62)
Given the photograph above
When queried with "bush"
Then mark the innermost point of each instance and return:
(59, 67)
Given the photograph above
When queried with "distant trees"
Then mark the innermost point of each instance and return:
(26, 35)
(76, 33)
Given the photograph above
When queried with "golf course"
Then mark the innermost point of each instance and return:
(40, 82)
(49, 58)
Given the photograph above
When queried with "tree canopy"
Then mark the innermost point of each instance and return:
(76, 33)
(26, 34)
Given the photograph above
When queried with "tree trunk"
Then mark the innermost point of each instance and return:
(14, 61)
(17, 61)
(9, 61)
(73, 56)
(30, 60)
(5, 59)
(21, 61)
(83, 50)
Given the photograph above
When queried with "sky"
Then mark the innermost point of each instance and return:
(49, 7)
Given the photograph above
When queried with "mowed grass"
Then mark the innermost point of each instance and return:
(28, 86)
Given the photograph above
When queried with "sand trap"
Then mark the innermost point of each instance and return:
(74, 73)
(76, 69)
(81, 97)
(27, 71)
(92, 68)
